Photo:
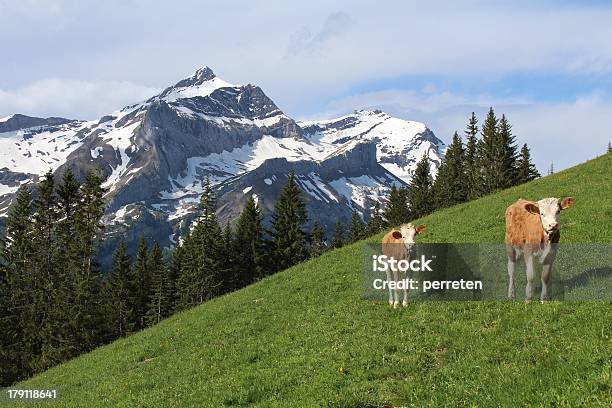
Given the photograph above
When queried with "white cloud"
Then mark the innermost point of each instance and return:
(566, 133)
(71, 98)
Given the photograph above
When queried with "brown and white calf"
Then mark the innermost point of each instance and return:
(532, 231)
(397, 244)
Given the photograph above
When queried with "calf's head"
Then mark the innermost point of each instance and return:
(549, 209)
(407, 233)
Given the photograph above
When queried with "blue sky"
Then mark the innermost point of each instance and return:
(547, 66)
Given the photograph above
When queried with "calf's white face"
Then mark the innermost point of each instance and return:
(409, 233)
(549, 209)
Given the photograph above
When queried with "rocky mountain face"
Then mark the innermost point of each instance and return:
(157, 154)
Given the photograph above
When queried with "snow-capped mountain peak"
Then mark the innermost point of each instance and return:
(157, 154)
(202, 83)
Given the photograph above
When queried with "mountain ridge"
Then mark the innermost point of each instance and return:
(156, 155)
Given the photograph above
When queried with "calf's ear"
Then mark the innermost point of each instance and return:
(532, 208)
(420, 229)
(567, 202)
(396, 234)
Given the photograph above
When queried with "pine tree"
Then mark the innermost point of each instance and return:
(526, 171)
(142, 285)
(18, 343)
(449, 187)
(249, 244)
(317, 240)
(287, 219)
(60, 323)
(338, 238)
(506, 167)
(471, 164)
(158, 304)
(227, 260)
(87, 311)
(396, 211)
(421, 190)
(488, 154)
(119, 291)
(376, 223)
(201, 277)
(39, 324)
(356, 228)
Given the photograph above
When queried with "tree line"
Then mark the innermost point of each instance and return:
(489, 161)
(56, 303)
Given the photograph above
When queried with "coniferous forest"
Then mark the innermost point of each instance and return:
(57, 303)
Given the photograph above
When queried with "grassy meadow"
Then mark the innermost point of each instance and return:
(306, 338)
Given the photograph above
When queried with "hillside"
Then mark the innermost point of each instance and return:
(304, 337)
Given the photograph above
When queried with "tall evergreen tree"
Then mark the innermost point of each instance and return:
(507, 155)
(249, 244)
(18, 343)
(471, 164)
(356, 227)
(119, 290)
(317, 240)
(526, 170)
(421, 190)
(376, 223)
(338, 238)
(488, 153)
(201, 276)
(88, 306)
(449, 187)
(158, 304)
(40, 322)
(396, 212)
(227, 260)
(287, 219)
(142, 285)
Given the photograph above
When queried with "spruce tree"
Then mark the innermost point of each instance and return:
(227, 260)
(526, 170)
(87, 311)
(488, 154)
(506, 172)
(376, 223)
(396, 211)
(119, 289)
(201, 277)
(249, 244)
(317, 240)
(142, 285)
(338, 238)
(449, 187)
(158, 304)
(287, 219)
(18, 343)
(37, 326)
(356, 228)
(421, 190)
(471, 164)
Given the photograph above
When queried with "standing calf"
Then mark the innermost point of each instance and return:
(398, 244)
(532, 230)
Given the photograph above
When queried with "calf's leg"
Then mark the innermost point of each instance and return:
(511, 271)
(545, 278)
(530, 276)
(389, 280)
(396, 276)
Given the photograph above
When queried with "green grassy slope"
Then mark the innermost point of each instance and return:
(304, 337)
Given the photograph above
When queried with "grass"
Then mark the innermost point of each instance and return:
(305, 337)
